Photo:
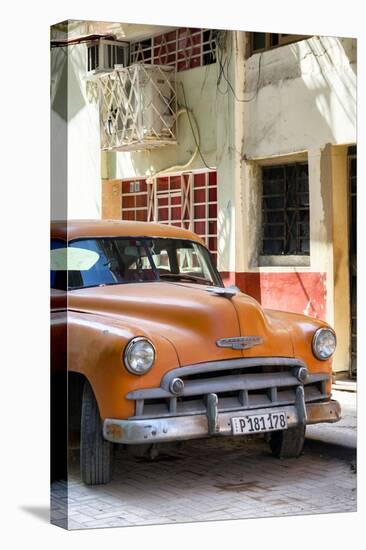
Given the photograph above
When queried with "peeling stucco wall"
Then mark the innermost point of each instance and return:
(303, 103)
(306, 97)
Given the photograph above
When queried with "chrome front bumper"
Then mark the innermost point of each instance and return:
(179, 428)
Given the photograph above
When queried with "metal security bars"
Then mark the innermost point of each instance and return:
(104, 54)
(138, 107)
(285, 210)
(183, 48)
(185, 200)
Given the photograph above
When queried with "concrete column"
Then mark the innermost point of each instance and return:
(230, 124)
(321, 220)
(83, 139)
(341, 274)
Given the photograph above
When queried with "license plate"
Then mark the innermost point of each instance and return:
(255, 423)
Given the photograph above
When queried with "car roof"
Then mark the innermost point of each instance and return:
(76, 229)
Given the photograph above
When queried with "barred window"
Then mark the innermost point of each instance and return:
(285, 210)
(184, 48)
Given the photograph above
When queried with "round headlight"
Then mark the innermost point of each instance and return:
(139, 355)
(324, 343)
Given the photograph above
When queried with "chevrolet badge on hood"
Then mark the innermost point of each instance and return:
(239, 342)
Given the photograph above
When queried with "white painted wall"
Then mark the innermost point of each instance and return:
(306, 97)
(75, 120)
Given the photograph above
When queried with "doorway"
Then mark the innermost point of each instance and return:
(352, 186)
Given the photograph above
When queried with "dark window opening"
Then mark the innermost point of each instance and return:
(285, 210)
(352, 177)
(260, 41)
(141, 51)
(274, 39)
(93, 57)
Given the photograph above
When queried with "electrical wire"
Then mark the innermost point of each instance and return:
(178, 167)
(196, 137)
(222, 74)
(189, 112)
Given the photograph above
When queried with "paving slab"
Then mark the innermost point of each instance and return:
(220, 479)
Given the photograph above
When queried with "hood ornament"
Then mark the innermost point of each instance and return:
(226, 292)
(239, 342)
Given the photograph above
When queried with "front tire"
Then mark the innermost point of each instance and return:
(288, 443)
(96, 454)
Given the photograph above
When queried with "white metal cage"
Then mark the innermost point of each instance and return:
(138, 107)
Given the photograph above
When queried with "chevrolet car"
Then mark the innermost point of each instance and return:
(158, 350)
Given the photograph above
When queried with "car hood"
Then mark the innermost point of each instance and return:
(190, 316)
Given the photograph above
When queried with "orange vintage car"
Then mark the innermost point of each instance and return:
(158, 350)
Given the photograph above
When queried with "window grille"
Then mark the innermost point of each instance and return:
(186, 200)
(261, 41)
(184, 48)
(285, 210)
(105, 54)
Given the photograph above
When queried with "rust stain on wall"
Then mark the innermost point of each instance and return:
(111, 199)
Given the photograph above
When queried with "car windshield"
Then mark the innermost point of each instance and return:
(118, 260)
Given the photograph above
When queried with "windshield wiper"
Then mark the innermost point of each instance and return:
(183, 277)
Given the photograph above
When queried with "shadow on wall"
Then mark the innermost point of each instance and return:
(224, 240)
(68, 85)
(59, 81)
(306, 97)
(335, 70)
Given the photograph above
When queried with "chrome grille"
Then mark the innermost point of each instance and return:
(239, 384)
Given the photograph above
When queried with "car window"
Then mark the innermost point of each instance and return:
(96, 262)
(118, 260)
(57, 281)
(73, 258)
(179, 258)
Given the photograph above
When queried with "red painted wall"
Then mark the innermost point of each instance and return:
(297, 292)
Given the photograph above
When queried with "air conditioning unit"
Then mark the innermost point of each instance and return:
(155, 102)
(138, 107)
(105, 54)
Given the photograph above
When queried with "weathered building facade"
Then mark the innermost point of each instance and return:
(262, 167)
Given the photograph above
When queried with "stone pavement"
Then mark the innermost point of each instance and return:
(218, 479)
(343, 432)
